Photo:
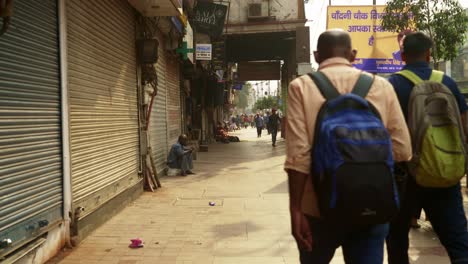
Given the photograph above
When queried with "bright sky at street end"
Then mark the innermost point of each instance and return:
(316, 13)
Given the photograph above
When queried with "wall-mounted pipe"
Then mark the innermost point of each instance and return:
(66, 167)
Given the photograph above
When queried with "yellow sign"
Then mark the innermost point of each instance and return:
(378, 50)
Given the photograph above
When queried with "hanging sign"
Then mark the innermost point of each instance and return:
(209, 18)
(203, 52)
(184, 50)
(189, 39)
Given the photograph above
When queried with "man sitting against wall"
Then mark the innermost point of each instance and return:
(222, 135)
(180, 156)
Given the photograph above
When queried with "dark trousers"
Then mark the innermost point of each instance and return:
(259, 131)
(361, 246)
(274, 132)
(444, 209)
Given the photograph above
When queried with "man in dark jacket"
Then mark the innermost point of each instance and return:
(273, 124)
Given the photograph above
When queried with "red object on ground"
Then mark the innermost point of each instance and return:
(136, 243)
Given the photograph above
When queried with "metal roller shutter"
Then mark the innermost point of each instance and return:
(103, 100)
(30, 122)
(158, 125)
(173, 99)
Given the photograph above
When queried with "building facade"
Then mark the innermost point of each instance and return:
(267, 40)
(75, 116)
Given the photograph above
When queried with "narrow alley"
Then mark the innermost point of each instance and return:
(249, 222)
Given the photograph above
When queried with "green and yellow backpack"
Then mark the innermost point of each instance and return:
(439, 152)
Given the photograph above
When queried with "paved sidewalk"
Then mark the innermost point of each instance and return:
(248, 225)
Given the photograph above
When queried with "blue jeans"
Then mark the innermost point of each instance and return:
(361, 245)
(444, 208)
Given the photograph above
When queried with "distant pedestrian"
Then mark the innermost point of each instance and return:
(246, 121)
(266, 120)
(259, 124)
(343, 194)
(180, 156)
(436, 112)
(232, 127)
(233, 121)
(274, 123)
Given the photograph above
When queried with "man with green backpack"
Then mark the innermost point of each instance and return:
(435, 111)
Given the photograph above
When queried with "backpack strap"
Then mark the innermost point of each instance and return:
(410, 76)
(324, 85)
(436, 76)
(363, 85)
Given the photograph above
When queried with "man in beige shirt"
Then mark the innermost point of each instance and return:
(316, 240)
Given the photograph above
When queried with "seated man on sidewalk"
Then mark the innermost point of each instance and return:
(180, 156)
(222, 135)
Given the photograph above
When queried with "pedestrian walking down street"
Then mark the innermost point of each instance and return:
(274, 123)
(438, 143)
(266, 121)
(246, 121)
(316, 237)
(233, 125)
(238, 122)
(259, 124)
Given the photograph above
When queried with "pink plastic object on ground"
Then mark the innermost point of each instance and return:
(136, 243)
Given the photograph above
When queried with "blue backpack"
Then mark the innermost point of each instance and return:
(352, 161)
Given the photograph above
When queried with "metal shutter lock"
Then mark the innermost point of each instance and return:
(5, 243)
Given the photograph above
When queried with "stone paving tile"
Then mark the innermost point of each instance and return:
(249, 225)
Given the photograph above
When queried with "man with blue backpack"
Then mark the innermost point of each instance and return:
(345, 131)
(435, 112)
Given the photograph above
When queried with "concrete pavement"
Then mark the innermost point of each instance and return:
(249, 223)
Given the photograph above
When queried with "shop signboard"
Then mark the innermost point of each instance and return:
(378, 50)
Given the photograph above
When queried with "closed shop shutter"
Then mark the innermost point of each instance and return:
(173, 99)
(158, 125)
(30, 122)
(103, 100)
